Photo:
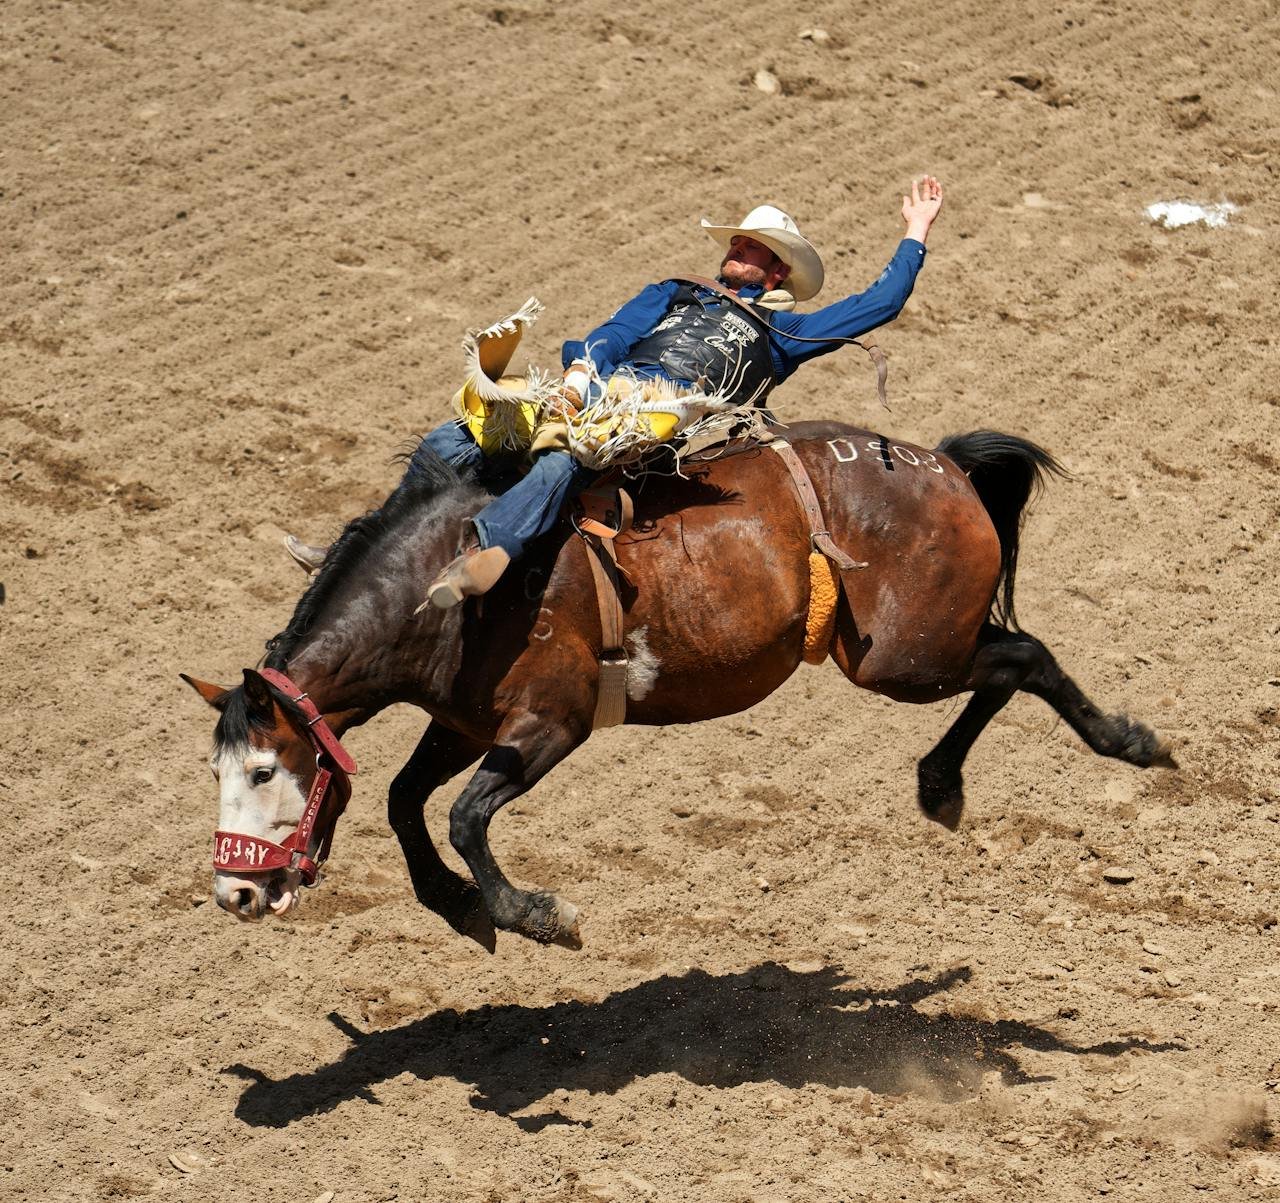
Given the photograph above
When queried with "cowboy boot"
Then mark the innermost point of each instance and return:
(305, 555)
(474, 572)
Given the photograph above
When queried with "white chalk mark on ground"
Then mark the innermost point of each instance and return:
(1174, 214)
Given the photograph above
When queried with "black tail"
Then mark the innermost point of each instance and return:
(1006, 471)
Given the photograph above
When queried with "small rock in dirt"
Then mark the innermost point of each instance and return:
(327, 1197)
(199, 899)
(188, 1161)
(768, 83)
(619, 39)
(1206, 856)
(777, 1104)
(1171, 979)
(762, 885)
(681, 811)
(818, 36)
(1124, 1083)
(1156, 950)
(1118, 875)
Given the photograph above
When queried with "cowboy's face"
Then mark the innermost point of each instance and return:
(750, 262)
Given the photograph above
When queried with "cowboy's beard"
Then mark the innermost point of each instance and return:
(737, 274)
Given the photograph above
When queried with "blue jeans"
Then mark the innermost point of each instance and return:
(526, 509)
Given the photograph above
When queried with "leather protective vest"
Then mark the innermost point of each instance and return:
(713, 343)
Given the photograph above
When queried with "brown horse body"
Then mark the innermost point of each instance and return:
(716, 597)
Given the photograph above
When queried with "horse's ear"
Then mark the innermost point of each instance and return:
(215, 695)
(257, 695)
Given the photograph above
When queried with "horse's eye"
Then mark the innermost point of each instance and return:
(262, 776)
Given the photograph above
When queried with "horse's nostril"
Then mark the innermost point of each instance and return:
(242, 900)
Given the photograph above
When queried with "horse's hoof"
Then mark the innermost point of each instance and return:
(941, 801)
(1143, 747)
(948, 813)
(1163, 756)
(568, 935)
(551, 920)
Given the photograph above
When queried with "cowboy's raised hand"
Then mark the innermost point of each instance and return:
(921, 208)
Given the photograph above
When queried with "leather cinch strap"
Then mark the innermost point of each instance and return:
(598, 535)
(819, 536)
(611, 696)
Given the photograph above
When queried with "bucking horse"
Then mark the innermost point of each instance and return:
(716, 593)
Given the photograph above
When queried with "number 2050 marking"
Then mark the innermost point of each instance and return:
(846, 451)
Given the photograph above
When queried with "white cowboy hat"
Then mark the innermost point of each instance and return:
(774, 229)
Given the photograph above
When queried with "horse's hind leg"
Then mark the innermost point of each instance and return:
(1006, 662)
(1107, 734)
(439, 755)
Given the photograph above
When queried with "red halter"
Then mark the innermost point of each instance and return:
(234, 852)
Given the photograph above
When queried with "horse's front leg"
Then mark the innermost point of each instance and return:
(527, 748)
(439, 755)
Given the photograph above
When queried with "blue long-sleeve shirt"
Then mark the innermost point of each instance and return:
(609, 344)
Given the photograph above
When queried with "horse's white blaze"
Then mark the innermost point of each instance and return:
(271, 810)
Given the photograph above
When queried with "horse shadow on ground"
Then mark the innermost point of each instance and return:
(769, 1023)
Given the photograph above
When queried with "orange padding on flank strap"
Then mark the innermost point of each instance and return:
(820, 625)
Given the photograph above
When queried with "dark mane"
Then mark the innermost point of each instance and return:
(237, 722)
(427, 477)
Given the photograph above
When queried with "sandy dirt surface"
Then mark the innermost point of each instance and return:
(240, 244)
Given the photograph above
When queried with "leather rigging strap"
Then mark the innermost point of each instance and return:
(819, 536)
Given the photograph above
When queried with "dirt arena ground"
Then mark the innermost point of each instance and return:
(241, 242)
